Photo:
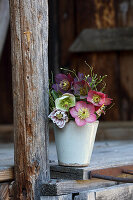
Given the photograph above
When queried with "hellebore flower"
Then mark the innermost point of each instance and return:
(65, 102)
(83, 113)
(98, 98)
(63, 83)
(59, 117)
(81, 88)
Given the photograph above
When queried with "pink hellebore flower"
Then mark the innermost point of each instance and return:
(83, 113)
(59, 117)
(98, 98)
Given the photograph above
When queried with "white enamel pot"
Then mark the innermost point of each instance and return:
(74, 144)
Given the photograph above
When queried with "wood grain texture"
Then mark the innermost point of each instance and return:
(122, 192)
(29, 34)
(94, 40)
(4, 191)
(4, 22)
(59, 172)
(6, 174)
(64, 187)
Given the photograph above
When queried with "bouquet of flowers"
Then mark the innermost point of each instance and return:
(76, 97)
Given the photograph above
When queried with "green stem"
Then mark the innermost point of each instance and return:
(68, 70)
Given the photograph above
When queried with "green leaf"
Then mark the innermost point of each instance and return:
(54, 94)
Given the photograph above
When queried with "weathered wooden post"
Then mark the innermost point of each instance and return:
(29, 34)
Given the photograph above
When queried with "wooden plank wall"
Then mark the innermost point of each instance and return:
(78, 15)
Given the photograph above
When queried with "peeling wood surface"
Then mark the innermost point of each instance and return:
(4, 22)
(29, 34)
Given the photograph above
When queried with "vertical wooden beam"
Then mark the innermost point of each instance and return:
(29, 34)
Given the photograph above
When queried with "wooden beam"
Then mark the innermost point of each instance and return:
(4, 22)
(59, 172)
(122, 192)
(6, 174)
(119, 130)
(94, 40)
(105, 155)
(64, 187)
(29, 41)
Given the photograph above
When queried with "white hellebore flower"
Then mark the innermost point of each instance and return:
(59, 117)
